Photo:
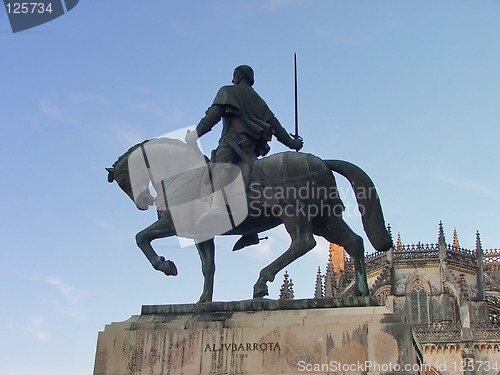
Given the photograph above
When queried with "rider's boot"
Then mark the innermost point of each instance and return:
(246, 240)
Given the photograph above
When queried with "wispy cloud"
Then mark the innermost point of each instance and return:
(150, 107)
(263, 250)
(66, 290)
(130, 136)
(35, 328)
(468, 184)
(67, 301)
(62, 107)
(278, 4)
(88, 97)
(71, 305)
(51, 106)
(321, 249)
(150, 102)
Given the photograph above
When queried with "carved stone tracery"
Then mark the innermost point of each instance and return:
(419, 302)
(461, 332)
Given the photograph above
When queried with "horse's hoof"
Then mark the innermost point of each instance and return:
(168, 268)
(204, 300)
(260, 292)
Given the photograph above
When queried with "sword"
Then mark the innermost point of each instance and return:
(296, 134)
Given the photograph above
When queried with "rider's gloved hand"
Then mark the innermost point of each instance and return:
(191, 137)
(295, 144)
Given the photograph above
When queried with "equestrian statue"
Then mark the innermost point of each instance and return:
(240, 191)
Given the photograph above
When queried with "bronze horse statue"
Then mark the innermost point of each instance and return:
(271, 185)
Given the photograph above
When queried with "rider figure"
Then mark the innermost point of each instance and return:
(247, 121)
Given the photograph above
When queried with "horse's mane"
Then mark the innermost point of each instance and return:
(168, 141)
(127, 153)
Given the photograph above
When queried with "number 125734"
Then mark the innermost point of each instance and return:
(25, 8)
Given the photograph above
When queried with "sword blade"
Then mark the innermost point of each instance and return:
(296, 96)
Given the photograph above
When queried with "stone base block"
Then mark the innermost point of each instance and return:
(259, 337)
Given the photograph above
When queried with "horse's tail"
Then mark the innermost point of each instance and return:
(368, 202)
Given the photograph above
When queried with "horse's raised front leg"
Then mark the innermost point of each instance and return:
(160, 229)
(206, 250)
(300, 230)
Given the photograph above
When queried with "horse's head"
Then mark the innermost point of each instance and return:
(137, 187)
(153, 161)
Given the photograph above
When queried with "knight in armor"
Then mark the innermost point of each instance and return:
(248, 124)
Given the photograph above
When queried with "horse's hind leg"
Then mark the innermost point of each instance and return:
(300, 230)
(337, 231)
(206, 250)
(159, 229)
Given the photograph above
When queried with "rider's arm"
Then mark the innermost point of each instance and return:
(212, 116)
(282, 135)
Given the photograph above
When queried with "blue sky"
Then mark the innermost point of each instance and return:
(407, 90)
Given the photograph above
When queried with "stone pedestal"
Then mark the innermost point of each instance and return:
(259, 337)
